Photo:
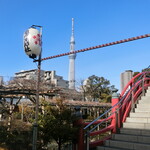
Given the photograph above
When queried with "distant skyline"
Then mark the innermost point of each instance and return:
(96, 22)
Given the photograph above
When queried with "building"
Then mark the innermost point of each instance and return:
(1, 80)
(72, 57)
(125, 77)
(56, 80)
(48, 76)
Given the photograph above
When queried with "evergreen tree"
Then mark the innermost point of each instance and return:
(57, 124)
(98, 88)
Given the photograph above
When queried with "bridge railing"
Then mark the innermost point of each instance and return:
(121, 106)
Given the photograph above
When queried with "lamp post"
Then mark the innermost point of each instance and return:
(33, 48)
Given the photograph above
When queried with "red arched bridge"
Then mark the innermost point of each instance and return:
(122, 105)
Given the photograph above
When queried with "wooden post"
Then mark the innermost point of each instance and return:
(79, 145)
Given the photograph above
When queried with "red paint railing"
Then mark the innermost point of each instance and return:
(121, 107)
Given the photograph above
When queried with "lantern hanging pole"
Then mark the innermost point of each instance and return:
(98, 46)
(35, 126)
(33, 48)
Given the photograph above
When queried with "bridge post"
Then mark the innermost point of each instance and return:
(115, 110)
(143, 89)
(79, 145)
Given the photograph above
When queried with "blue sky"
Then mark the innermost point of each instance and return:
(96, 22)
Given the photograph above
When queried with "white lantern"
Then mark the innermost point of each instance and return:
(32, 42)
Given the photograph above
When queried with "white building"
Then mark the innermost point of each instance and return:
(58, 81)
(48, 76)
(125, 77)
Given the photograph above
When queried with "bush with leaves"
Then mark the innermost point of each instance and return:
(57, 125)
(19, 137)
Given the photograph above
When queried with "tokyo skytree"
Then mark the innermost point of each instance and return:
(71, 77)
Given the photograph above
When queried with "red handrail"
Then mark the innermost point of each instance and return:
(99, 121)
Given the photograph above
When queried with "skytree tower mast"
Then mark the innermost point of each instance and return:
(72, 60)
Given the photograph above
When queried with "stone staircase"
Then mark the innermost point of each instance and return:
(135, 133)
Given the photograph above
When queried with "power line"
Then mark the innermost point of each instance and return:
(98, 46)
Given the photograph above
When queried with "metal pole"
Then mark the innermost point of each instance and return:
(116, 115)
(143, 90)
(88, 140)
(35, 125)
(132, 102)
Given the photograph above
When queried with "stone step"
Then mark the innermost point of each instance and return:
(131, 138)
(134, 125)
(127, 145)
(139, 132)
(142, 105)
(144, 101)
(147, 94)
(132, 135)
(138, 120)
(142, 110)
(148, 90)
(139, 109)
(140, 114)
(109, 148)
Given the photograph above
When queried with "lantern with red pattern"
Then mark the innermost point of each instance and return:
(32, 42)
